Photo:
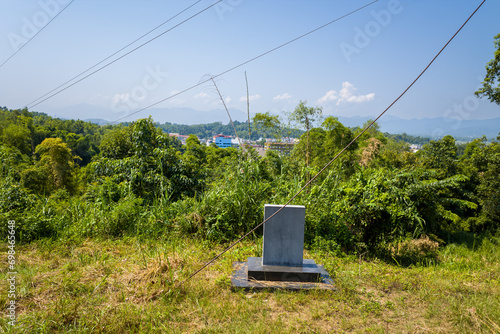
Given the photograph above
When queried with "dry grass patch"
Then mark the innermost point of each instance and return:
(129, 286)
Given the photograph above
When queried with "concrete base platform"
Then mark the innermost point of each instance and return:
(308, 272)
(240, 280)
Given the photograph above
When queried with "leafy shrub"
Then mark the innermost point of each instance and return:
(35, 225)
(122, 218)
(379, 206)
(13, 161)
(106, 191)
(328, 246)
(14, 198)
(235, 204)
(34, 218)
(19, 205)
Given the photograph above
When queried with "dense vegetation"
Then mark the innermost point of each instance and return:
(75, 179)
(108, 221)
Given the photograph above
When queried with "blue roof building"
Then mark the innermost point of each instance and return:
(223, 141)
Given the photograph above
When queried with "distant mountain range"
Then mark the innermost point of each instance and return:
(427, 127)
(433, 127)
(172, 115)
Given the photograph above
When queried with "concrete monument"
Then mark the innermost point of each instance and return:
(282, 264)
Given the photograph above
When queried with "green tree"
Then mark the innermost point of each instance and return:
(324, 143)
(491, 83)
(85, 148)
(117, 144)
(195, 153)
(148, 162)
(13, 162)
(267, 122)
(56, 155)
(54, 170)
(395, 154)
(441, 155)
(489, 190)
(317, 148)
(146, 137)
(337, 137)
(305, 117)
(481, 163)
(19, 136)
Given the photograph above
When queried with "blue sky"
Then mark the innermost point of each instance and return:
(354, 67)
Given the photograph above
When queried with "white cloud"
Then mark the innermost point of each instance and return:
(251, 98)
(201, 95)
(228, 99)
(331, 95)
(346, 95)
(281, 97)
(120, 97)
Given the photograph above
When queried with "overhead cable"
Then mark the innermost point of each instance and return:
(246, 62)
(126, 54)
(39, 31)
(227, 110)
(115, 53)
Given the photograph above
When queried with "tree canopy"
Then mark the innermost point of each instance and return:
(305, 117)
(491, 83)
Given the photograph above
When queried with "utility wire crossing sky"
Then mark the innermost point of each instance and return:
(352, 67)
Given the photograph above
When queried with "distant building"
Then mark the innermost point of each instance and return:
(235, 142)
(260, 150)
(282, 148)
(222, 141)
(415, 147)
(182, 138)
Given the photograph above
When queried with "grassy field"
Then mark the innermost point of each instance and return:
(128, 286)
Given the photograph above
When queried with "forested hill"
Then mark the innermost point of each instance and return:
(26, 130)
(408, 138)
(206, 131)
